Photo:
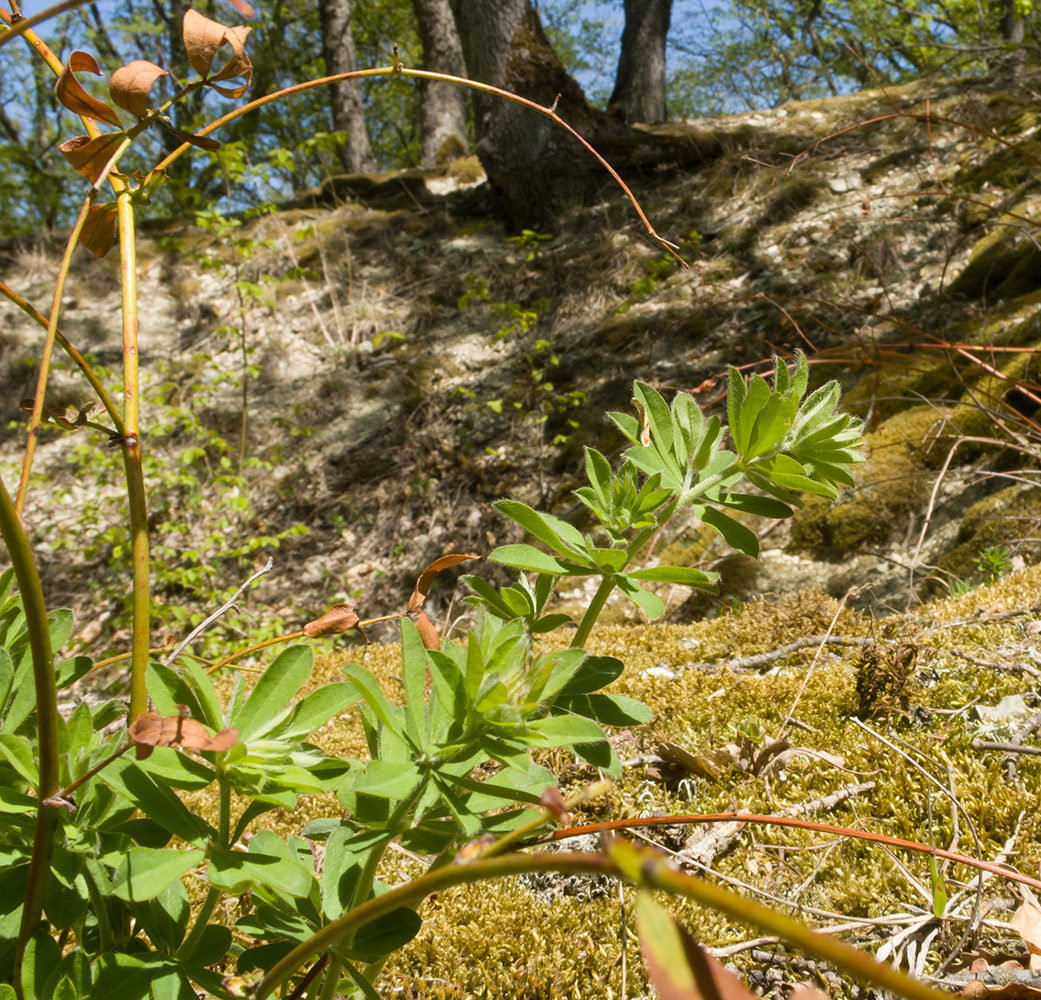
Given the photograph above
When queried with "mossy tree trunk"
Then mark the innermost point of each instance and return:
(442, 107)
(345, 97)
(639, 87)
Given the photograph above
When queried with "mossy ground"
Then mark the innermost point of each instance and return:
(503, 940)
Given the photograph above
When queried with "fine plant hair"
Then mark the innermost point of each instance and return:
(98, 837)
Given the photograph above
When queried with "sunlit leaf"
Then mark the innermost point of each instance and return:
(72, 95)
(130, 84)
(202, 39)
(339, 618)
(678, 967)
(91, 156)
(100, 229)
(426, 578)
(153, 730)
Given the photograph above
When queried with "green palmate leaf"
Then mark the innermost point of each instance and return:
(360, 981)
(141, 977)
(650, 604)
(157, 802)
(458, 806)
(549, 623)
(385, 779)
(598, 472)
(510, 785)
(69, 671)
(385, 934)
(773, 423)
(177, 770)
(677, 966)
(209, 702)
(519, 602)
(19, 754)
(341, 873)
(40, 961)
(414, 677)
(736, 535)
(560, 536)
(649, 461)
(60, 625)
(736, 390)
(656, 412)
(273, 692)
(750, 503)
(168, 688)
(165, 918)
(488, 596)
(317, 709)
(237, 871)
(144, 873)
(212, 947)
(448, 682)
(551, 672)
(66, 898)
(6, 677)
(564, 730)
(606, 709)
(789, 474)
(594, 673)
(601, 755)
(532, 560)
(757, 393)
(686, 575)
(73, 975)
(389, 715)
(611, 560)
(627, 424)
(688, 425)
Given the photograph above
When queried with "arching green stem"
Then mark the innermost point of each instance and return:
(28, 578)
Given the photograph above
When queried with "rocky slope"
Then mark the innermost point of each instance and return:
(405, 361)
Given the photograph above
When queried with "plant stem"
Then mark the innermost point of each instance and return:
(132, 461)
(45, 354)
(596, 605)
(184, 953)
(21, 554)
(331, 979)
(646, 869)
(95, 877)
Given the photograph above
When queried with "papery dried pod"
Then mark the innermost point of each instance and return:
(202, 38)
(339, 618)
(426, 578)
(150, 730)
(129, 86)
(427, 631)
(91, 156)
(553, 802)
(72, 95)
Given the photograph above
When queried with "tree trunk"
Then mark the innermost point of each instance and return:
(347, 111)
(442, 106)
(1013, 31)
(639, 89)
(537, 170)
